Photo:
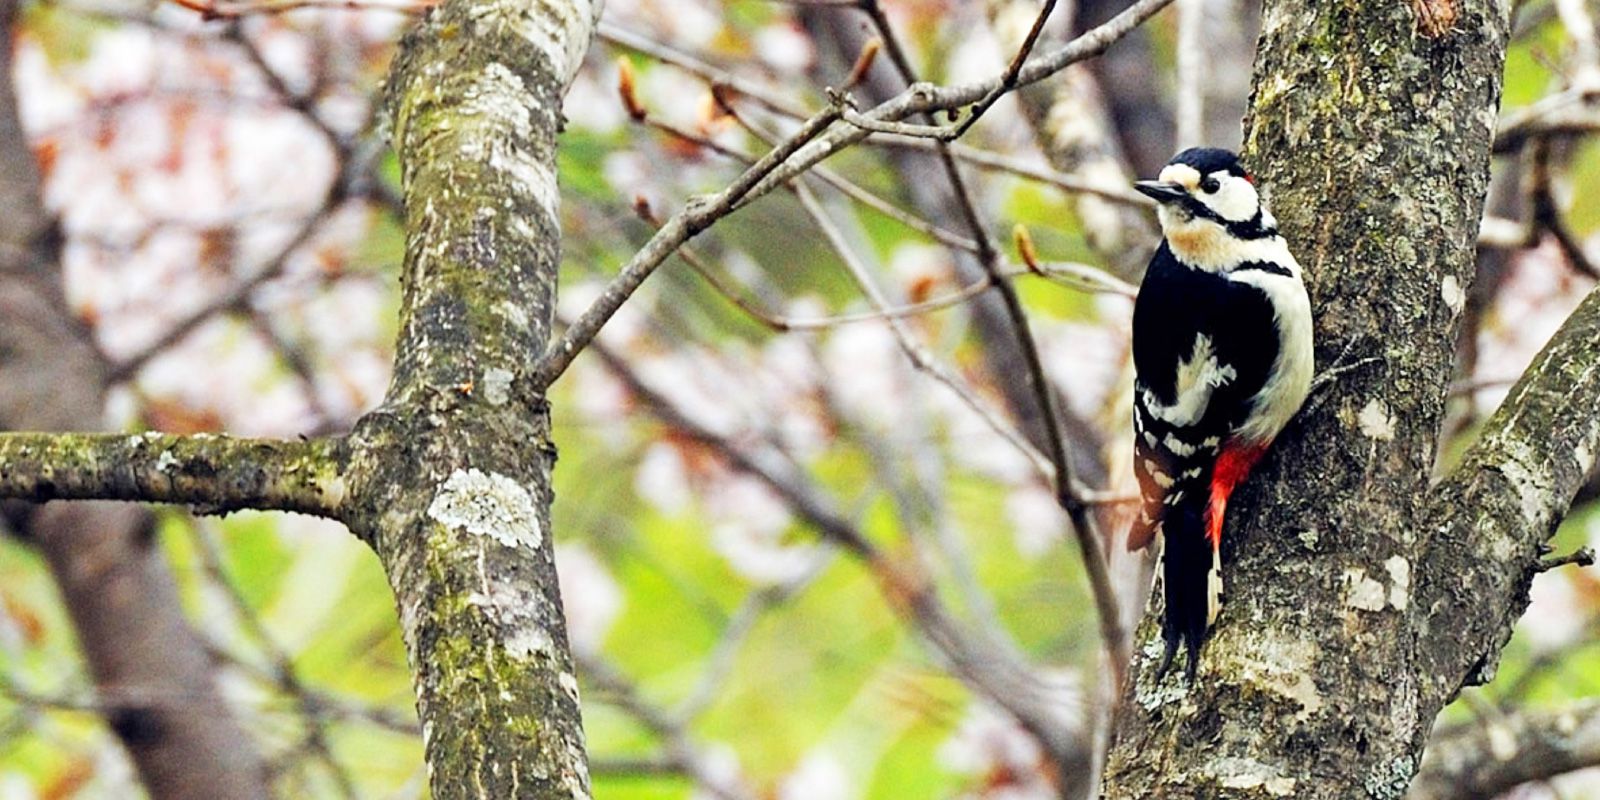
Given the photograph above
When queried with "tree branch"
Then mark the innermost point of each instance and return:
(989, 670)
(698, 214)
(1314, 683)
(1506, 499)
(807, 147)
(1482, 760)
(450, 479)
(217, 474)
(117, 589)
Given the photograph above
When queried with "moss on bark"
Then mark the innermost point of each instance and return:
(450, 478)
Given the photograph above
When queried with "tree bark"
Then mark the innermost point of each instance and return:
(113, 577)
(450, 478)
(1359, 600)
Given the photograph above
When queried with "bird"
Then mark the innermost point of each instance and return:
(1222, 353)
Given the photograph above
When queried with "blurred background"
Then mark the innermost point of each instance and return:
(230, 243)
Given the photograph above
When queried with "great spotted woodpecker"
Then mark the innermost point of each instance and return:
(1222, 357)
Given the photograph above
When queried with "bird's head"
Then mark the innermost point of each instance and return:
(1208, 203)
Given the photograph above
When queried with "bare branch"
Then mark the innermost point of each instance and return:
(282, 670)
(720, 81)
(724, 657)
(999, 162)
(698, 215)
(1545, 213)
(1008, 81)
(682, 753)
(217, 474)
(1506, 498)
(1569, 111)
(1482, 760)
(801, 151)
(1583, 557)
(988, 670)
(245, 8)
(914, 350)
(854, 191)
(234, 298)
(1114, 638)
(772, 99)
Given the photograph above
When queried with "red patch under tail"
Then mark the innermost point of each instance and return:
(1233, 466)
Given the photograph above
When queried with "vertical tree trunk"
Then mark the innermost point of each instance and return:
(156, 680)
(1370, 127)
(450, 478)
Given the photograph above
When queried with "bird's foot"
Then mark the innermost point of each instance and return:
(1342, 366)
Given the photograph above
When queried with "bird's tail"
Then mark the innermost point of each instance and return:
(1192, 579)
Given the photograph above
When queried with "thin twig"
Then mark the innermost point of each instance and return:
(1009, 81)
(724, 656)
(1583, 557)
(697, 215)
(1084, 529)
(1471, 387)
(914, 350)
(1545, 215)
(235, 298)
(800, 152)
(772, 100)
(640, 114)
(283, 670)
(233, 10)
(682, 752)
(1009, 684)
(1074, 275)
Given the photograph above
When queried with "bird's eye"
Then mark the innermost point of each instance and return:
(1209, 185)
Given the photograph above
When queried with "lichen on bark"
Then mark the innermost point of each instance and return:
(450, 477)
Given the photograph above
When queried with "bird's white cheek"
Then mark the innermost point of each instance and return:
(1236, 201)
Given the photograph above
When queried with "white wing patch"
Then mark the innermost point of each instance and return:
(1162, 479)
(1199, 376)
(1179, 447)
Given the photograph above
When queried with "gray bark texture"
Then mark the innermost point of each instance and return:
(449, 480)
(113, 576)
(1360, 598)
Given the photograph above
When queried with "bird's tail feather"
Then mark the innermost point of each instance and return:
(1192, 582)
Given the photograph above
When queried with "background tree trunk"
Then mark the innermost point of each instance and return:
(155, 680)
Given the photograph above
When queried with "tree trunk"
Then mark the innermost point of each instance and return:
(450, 478)
(1370, 126)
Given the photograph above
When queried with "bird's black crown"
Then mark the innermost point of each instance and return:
(1207, 160)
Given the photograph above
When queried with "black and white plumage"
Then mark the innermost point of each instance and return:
(1222, 356)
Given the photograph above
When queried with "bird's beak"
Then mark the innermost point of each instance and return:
(1161, 191)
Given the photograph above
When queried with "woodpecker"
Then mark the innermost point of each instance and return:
(1222, 360)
